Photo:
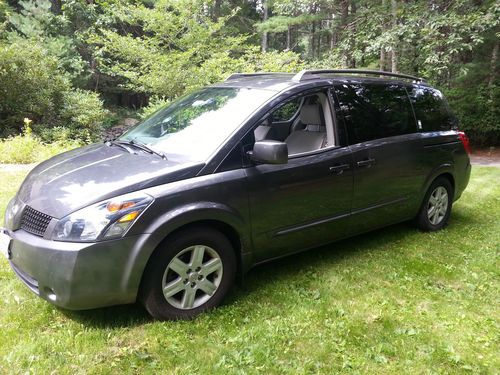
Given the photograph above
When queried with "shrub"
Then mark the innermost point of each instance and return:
(30, 85)
(478, 112)
(27, 148)
(272, 61)
(82, 112)
(155, 103)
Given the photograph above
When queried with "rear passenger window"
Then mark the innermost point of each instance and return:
(431, 109)
(373, 111)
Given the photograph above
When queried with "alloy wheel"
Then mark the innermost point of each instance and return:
(192, 277)
(437, 205)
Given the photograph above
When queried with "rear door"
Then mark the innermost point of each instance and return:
(387, 152)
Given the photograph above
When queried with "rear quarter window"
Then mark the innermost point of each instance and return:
(373, 111)
(431, 109)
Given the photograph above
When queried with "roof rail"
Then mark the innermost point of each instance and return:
(242, 75)
(309, 74)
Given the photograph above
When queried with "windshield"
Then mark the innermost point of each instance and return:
(194, 126)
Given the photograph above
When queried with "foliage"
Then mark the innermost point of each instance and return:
(132, 51)
(273, 61)
(36, 22)
(27, 148)
(479, 113)
(30, 85)
(155, 103)
(82, 111)
(4, 10)
(395, 301)
(161, 55)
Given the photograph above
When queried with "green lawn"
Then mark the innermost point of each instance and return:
(392, 301)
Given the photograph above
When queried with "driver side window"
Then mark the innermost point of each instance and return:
(304, 123)
(287, 111)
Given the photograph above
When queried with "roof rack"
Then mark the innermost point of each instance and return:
(309, 74)
(243, 75)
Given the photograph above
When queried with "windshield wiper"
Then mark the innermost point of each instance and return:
(136, 144)
(144, 147)
(113, 142)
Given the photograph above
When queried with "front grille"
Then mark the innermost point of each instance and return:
(34, 221)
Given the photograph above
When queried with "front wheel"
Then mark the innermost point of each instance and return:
(190, 274)
(436, 208)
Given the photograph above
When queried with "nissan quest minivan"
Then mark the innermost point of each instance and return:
(257, 167)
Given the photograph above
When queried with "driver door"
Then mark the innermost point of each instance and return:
(302, 204)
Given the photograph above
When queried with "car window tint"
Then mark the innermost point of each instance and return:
(373, 111)
(431, 109)
(287, 111)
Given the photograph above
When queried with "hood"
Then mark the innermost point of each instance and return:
(78, 178)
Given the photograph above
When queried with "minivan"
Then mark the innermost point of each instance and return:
(257, 167)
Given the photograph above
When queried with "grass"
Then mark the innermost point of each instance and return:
(389, 302)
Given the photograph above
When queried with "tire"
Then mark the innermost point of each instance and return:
(196, 267)
(436, 207)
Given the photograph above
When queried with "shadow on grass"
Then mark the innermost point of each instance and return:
(288, 266)
(111, 317)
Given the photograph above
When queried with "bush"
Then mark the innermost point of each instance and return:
(82, 112)
(478, 112)
(27, 148)
(30, 86)
(155, 103)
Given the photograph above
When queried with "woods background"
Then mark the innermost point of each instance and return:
(68, 69)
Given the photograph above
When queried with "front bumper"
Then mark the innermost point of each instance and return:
(80, 276)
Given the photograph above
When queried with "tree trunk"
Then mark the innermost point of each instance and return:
(352, 42)
(55, 6)
(318, 40)
(382, 58)
(333, 40)
(382, 48)
(216, 10)
(264, 18)
(311, 41)
(394, 53)
(289, 38)
(493, 65)
(343, 25)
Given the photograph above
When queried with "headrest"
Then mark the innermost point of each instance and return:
(310, 114)
(316, 128)
(267, 121)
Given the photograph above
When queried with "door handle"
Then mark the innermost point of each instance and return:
(339, 168)
(366, 163)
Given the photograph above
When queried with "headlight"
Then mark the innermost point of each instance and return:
(102, 221)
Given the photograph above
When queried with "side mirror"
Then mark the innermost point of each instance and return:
(270, 152)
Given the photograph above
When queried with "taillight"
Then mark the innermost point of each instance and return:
(465, 141)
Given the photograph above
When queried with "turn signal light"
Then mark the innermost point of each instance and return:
(129, 217)
(117, 206)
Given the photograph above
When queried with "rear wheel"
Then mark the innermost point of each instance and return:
(192, 273)
(436, 208)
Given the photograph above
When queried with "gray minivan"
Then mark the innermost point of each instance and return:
(251, 169)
